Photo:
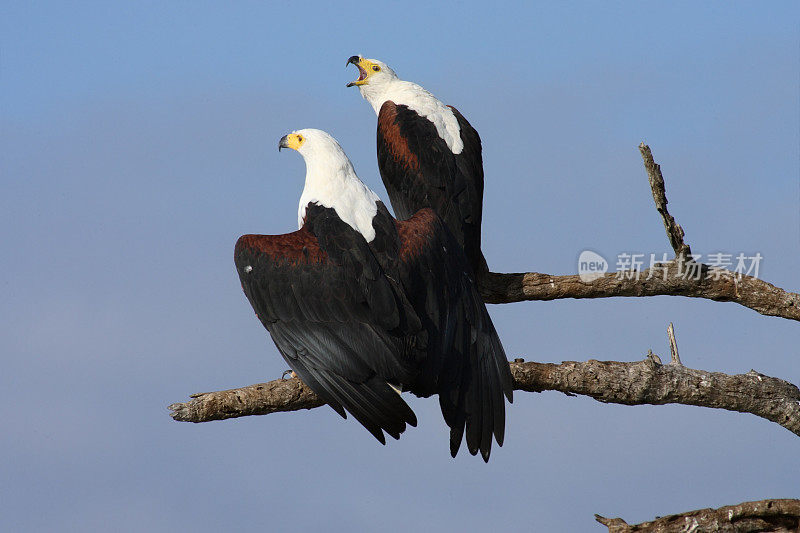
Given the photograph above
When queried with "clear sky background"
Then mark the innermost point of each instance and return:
(139, 141)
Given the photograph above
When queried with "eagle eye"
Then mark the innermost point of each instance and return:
(376, 68)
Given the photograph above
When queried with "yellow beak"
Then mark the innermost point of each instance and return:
(293, 141)
(363, 66)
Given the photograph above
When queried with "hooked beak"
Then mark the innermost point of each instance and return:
(362, 74)
(283, 143)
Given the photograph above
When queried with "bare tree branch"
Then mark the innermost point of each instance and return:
(674, 230)
(665, 280)
(259, 399)
(649, 382)
(673, 346)
(629, 383)
(680, 277)
(748, 517)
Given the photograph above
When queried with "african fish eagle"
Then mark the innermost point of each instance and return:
(428, 154)
(362, 306)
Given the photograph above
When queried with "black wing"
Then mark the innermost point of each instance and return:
(419, 170)
(339, 323)
(465, 364)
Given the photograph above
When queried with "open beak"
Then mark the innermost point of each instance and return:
(283, 143)
(362, 74)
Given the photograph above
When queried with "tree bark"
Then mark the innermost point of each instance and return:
(664, 280)
(646, 382)
(749, 517)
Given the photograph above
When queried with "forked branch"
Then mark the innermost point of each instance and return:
(679, 277)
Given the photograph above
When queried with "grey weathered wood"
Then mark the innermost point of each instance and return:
(259, 399)
(673, 229)
(778, 516)
(645, 382)
(748, 291)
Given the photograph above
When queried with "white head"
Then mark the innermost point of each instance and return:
(378, 83)
(375, 78)
(318, 149)
(331, 180)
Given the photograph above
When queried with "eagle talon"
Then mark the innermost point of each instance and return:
(290, 371)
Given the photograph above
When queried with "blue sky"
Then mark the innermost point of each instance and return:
(139, 142)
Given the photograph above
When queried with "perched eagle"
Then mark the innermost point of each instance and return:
(362, 306)
(428, 154)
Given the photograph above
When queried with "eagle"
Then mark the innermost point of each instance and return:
(428, 154)
(362, 306)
